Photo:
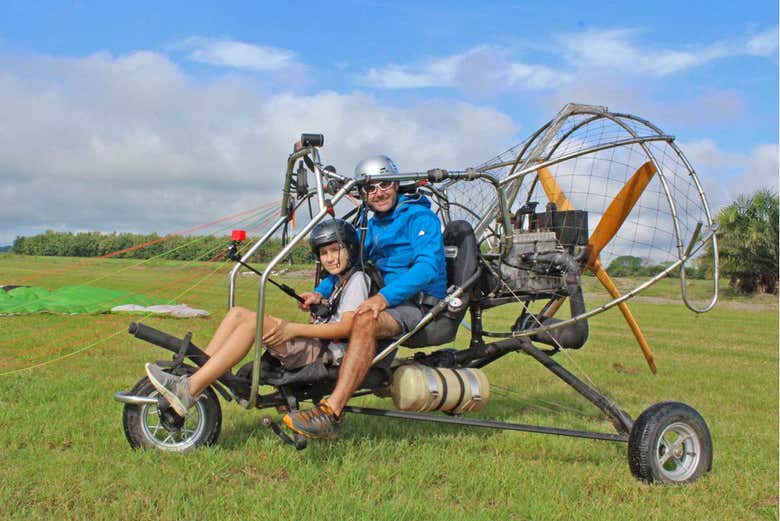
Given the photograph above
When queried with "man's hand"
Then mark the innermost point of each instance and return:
(278, 335)
(309, 299)
(374, 305)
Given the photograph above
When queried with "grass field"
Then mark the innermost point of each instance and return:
(64, 454)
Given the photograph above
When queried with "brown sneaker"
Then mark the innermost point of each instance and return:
(319, 422)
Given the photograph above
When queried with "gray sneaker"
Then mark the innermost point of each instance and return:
(175, 389)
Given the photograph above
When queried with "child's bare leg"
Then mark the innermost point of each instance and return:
(233, 349)
(235, 317)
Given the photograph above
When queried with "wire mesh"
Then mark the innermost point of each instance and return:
(593, 154)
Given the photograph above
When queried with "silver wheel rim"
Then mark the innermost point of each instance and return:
(159, 437)
(678, 452)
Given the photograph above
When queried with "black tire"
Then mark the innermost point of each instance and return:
(669, 443)
(144, 428)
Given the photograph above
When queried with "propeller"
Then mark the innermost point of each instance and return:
(610, 223)
(619, 209)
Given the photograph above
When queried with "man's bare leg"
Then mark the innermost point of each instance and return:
(360, 353)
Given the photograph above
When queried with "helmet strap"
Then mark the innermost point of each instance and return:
(363, 230)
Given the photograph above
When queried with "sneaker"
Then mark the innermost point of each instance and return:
(175, 389)
(319, 422)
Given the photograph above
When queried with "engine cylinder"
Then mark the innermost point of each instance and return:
(420, 388)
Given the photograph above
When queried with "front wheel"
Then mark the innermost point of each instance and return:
(147, 426)
(669, 443)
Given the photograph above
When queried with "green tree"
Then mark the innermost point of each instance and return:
(625, 266)
(748, 242)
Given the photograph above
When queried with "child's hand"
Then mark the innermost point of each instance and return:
(309, 299)
(279, 335)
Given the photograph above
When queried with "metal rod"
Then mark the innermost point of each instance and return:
(618, 417)
(433, 313)
(318, 180)
(490, 424)
(713, 238)
(324, 211)
(126, 397)
(579, 153)
(291, 159)
(693, 240)
(622, 298)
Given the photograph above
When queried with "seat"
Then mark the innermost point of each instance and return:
(461, 252)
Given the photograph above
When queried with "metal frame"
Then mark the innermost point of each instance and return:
(506, 190)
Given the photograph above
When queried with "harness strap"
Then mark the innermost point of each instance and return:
(462, 391)
(421, 299)
(443, 389)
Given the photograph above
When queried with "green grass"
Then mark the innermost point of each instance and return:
(65, 456)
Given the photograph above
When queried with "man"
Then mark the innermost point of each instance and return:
(404, 241)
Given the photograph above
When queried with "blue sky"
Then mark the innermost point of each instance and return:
(114, 115)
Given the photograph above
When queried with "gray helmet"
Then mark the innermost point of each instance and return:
(336, 230)
(375, 165)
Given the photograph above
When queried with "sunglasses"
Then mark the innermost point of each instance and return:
(381, 185)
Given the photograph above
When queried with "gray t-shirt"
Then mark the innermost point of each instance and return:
(354, 293)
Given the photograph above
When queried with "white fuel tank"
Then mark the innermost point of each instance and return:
(419, 388)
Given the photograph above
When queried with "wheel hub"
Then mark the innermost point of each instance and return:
(678, 451)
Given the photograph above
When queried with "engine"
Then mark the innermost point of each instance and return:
(545, 259)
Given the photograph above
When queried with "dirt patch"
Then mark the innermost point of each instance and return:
(620, 368)
(758, 303)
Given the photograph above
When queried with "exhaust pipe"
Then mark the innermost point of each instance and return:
(575, 335)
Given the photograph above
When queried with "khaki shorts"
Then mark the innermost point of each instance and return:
(301, 351)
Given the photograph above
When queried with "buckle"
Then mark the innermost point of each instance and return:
(421, 299)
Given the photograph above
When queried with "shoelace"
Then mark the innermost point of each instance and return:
(322, 412)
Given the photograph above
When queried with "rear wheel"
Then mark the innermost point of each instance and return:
(669, 443)
(149, 426)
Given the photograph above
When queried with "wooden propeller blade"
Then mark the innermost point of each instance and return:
(618, 210)
(606, 281)
(553, 190)
(555, 195)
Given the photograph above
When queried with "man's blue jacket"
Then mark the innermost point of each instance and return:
(406, 245)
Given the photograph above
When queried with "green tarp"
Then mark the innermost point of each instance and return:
(67, 300)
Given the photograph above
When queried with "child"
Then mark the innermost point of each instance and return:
(295, 345)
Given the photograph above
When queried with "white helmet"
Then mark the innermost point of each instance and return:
(375, 165)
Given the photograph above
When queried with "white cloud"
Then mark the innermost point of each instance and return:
(490, 69)
(616, 50)
(132, 143)
(706, 154)
(238, 55)
(763, 44)
(481, 69)
(622, 93)
(761, 170)
(399, 77)
(726, 175)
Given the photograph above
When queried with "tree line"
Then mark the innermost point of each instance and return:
(747, 234)
(139, 246)
(631, 266)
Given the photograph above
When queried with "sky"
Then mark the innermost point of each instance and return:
(159, 116)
